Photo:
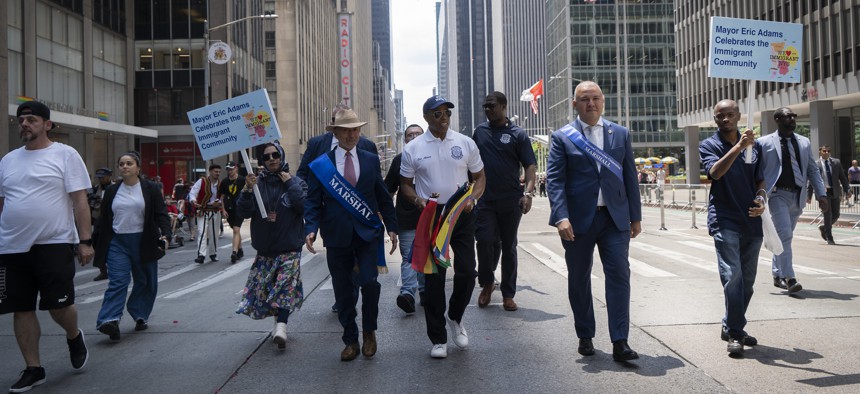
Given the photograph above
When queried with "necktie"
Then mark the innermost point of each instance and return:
(588, 132)
(786, 177)
(349, 169)
(829, 174)
(795, 162)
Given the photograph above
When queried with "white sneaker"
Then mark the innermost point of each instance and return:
(280, 337)
(458, 334)
(440, 350)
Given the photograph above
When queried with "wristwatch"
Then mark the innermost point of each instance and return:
(530, 194)
(88, 242)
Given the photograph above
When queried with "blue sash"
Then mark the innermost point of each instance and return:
(349, 198)
(572, 132)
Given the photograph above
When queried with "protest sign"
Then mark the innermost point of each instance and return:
(235, 124)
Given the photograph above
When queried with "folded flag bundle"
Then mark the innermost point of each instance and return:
(431, 246)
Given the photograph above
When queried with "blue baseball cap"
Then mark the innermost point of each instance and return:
(434, 102)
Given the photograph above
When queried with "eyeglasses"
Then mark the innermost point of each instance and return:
(271, 156)
(438, 114)
(789, 116)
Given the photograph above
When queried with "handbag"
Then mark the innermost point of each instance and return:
(161, 248)
(771, 237)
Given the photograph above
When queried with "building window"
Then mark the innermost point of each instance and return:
(270, 70)
(270, 39)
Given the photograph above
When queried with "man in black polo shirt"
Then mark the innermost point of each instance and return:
(407, 221)
(504, 148)
(736, 201)
(229, 190)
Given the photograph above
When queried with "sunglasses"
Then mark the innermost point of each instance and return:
(271, 156)
(789, 116)
(438, 114)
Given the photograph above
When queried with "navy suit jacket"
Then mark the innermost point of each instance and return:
(320, 145)
(335, 223)
(572, 181)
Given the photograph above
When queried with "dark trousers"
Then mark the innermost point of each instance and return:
(340, 264)
(613, 246)
(463, 246)
(832, 214)
(496, 228)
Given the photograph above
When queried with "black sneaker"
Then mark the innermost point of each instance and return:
(793, 286)
(213, 257)
(78, 351)
(240, 253)
(140, 325)
(748, 339)
(234, 257)
(30, 377)
(111, 329)
(199, 259)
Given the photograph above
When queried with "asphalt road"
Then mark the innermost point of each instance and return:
(197, 344)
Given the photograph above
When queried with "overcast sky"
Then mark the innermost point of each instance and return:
(413, 34)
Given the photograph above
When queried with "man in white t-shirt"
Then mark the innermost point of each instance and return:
(439, 161)
(44, 221)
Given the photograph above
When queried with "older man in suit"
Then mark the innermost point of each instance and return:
(594, 199)
(345, 196)
(832, 174)
(327, 142)
(788, 167)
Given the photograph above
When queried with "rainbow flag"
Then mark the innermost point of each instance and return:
(104, 116)
(24, 99)
(431, 247)
(453, 208)
(422, 259)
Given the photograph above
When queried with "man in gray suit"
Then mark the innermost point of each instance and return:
(832, 174)
(788, 168)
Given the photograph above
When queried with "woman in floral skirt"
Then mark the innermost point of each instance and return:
(274, 286)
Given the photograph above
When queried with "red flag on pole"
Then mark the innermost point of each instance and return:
(532, 95)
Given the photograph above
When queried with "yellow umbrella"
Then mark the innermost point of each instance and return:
(653, 159)
(641, 160)
(669, 160)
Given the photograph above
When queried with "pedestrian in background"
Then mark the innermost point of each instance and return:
(735, 202)
(832, 174)
(228, 192)
(44, 222)
(854, 180)
(594, 200)
(95, 197)
(788, 168)
(440, 161)
(411, 282)
(505, 149)
(274, 286)
(204, 198)
(131, 236)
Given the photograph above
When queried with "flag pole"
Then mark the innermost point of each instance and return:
(750, 117)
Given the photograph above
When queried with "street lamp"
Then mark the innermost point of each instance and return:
(207, 30)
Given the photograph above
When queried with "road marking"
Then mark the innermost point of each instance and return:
(230, 244)
(547, 257)
(85, 272)
(765, 261)
(209, 281)
(89, 300)
(646, 270)
(710, 266)
(327, 284)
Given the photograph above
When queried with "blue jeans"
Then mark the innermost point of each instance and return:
(737, 257)
(785, 209)
(123, 262)
(411, 281)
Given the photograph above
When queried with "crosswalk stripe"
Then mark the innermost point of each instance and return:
(646, 270)
(710, 266)
(764, 260)
(547, 257)
(209, 281)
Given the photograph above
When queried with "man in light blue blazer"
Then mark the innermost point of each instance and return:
(788, 167)
(595, 204)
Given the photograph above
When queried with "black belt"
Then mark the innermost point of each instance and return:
(789, 189)
(601, 207)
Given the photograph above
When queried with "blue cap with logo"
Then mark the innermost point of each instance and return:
(434, 102)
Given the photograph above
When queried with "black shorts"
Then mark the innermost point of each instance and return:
(233, 219)
(46, 273)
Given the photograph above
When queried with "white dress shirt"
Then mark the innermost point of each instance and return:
(340, 159)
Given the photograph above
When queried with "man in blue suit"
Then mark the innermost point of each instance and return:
(322, 144)
(594, 199)
(345, 196)
(788, 167)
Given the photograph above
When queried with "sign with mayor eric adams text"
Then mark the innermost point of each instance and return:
(755, 50)
(235, 124)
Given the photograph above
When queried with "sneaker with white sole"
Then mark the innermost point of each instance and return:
(439, 350)
(458, 334)
(280, 337)
(30, 377)
(78, 352)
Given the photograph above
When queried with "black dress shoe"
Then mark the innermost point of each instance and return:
(622, 352)
(779, 282)
(586, 347)
(140, 325)
(213, 257)
(823, 234)
(199, 259)
(406, 303)
(830, 241)
(793, 286)
(111, 329)
(748, 339)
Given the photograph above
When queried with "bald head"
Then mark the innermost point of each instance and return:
(588, 101)
(727, 115)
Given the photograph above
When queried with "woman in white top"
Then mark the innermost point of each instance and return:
(130, 237)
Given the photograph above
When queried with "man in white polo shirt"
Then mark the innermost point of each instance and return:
(439, 161)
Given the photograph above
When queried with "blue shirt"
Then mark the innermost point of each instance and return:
(503, 150)
(732, 195)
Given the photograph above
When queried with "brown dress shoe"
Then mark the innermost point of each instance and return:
(350, 352)
(486, 293)
(509, 304)
(368, 349)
